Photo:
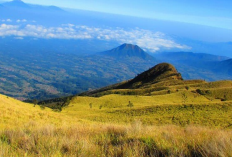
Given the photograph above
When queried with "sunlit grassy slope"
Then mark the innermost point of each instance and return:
(165, 117)
(33, 131)
(180, 108)
(156, 97)
(14, 114)
(154, 126)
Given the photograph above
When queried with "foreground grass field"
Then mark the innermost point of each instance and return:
(107, 126)
(114, 140)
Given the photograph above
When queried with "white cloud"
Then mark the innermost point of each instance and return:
(19, 38)
(8, 20)
(149, 40)
(23, 20)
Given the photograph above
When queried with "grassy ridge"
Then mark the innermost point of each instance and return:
(177, 118)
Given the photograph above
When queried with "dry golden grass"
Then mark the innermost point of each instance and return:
(134, 139)
(31, 131)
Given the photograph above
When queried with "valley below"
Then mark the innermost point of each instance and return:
(31, 73)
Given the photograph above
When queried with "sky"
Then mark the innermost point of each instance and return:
(209, 13)
(204, 12)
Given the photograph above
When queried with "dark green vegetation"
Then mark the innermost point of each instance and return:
(57, 104)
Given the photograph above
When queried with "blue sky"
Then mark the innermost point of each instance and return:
(204, 12)
(168, 35)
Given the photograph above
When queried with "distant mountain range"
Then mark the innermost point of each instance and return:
(188, 56)
(198, 65)
(223, 67)
(16, 3)
(43, 75)
(45, 67)
(45, 15)
(181, 33)
(127, 51)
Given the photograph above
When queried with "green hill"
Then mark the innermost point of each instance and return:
(159, 92)
(155, 114)
(164, 79)
(161, 77)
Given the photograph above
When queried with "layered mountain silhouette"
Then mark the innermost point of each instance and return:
(54, 8)
(16, 3)
(24, 7)
(188, 56)
(227, 63)
(127, 50)
(198, 65)
(17, 9)
(222, 67)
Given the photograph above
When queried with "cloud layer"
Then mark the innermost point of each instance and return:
(151, 41)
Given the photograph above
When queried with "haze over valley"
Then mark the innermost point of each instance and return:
(64, 44)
